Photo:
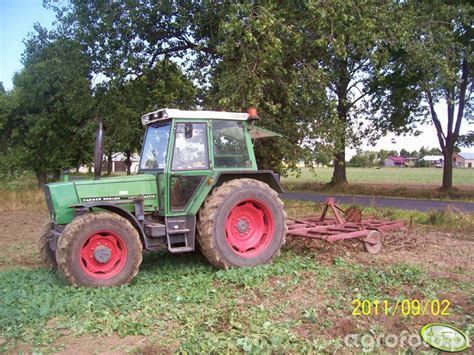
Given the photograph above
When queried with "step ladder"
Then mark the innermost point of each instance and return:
(181, 233)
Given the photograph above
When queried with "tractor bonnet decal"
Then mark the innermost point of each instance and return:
(116, 198)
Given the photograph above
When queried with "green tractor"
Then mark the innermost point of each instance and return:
(197, 181)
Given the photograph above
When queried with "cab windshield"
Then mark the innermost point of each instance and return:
(155, 147)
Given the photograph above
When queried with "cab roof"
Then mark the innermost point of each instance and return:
(166, 113)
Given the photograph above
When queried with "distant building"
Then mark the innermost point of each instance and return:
(394, 161)
(434, 160)
(118, 164)
(463, 160)
(410, 161)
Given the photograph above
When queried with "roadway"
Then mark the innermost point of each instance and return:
(371, 201)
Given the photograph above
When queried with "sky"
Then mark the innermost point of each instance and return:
(18, 16)
(16, 21)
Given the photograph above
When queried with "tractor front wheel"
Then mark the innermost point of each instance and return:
(47, 255)
(242, 223)
(99, 249)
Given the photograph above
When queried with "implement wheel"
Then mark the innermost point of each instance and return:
(242, 223)
(99, 249)
(47, 255)
(373, 242)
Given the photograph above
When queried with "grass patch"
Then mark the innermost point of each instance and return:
(21, 200)
(38, 306)
(21, 182)
(394, 176)
(396, 281)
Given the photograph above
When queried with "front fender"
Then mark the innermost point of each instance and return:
(89, 206)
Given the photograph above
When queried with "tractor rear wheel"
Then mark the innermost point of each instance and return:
(47, 255)
(99, 249)
(242, 223)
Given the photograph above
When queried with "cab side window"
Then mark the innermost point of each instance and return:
(190, 147)
(230, 146)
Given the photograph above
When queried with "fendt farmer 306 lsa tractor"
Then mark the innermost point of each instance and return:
(197, 180)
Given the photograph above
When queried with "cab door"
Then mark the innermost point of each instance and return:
(190, 165)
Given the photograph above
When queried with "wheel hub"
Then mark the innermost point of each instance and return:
(243, 226)
(249, 227)
(102, 254)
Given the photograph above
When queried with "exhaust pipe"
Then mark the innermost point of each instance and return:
(99, 150)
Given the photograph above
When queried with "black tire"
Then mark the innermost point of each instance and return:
(125, 256)
(47, 255)
(212, 235)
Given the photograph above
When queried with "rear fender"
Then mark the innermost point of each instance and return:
(266, 176)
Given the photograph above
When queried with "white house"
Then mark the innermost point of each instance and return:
(434, 160)
(118, 164)
(463, 160)
(394, 161)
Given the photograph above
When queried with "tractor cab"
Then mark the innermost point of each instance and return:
(187, 149)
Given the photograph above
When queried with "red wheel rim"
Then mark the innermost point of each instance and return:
(249, 228)
(103, 255)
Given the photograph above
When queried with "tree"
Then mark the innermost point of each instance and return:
(129, 44)
(315, 69)
(363, 159)
(414, 154)
(264, 54)
(126, 38)
(46, 127)
(343, 43)
(435, 64)
(467, 140)
(258, 58)
(404, 153)
(122, 105)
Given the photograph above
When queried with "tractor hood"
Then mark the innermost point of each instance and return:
(61, 196)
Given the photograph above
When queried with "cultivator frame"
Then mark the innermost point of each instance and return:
(350, 226)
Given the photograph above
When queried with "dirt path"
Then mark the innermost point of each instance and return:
(18, 238)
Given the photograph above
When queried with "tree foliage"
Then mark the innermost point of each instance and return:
(433, 65)
(326, 74)
(122, 105)
(45, 123)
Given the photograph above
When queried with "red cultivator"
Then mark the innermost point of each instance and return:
(368, 230)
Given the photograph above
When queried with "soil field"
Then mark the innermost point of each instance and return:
(303, 302)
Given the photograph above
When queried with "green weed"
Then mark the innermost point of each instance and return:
(179, 297)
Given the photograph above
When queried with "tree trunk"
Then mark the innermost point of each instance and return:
(339, 174)
(57, 175)
(448, 168)
(109, 164)
(128, 162)
(42, 178)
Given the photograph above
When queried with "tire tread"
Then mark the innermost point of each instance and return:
(207, 219)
